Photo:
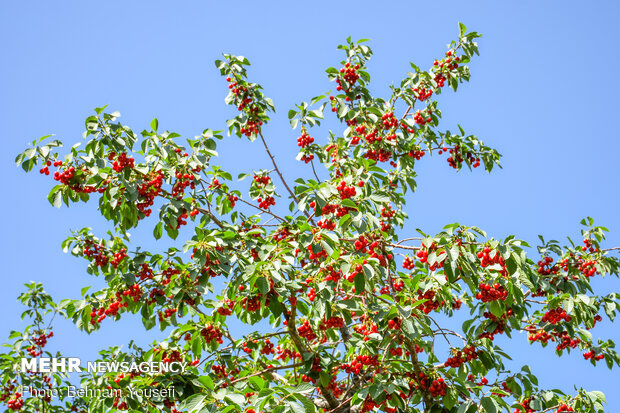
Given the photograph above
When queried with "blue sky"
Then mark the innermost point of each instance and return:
(542, 92)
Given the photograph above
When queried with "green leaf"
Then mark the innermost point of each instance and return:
(236, 398)
(304, 388)
(490, 405)
(154, 124)
(497, 308)
(462, 29)
(276, 307)
(296, 408)
(380, 198)
(19, 159)
(342, 109)
(465, 407)
(197, 346)
(100, 110)
(262, 284)
(451, 398)
(324, 378)
(536, 404)
(204, 381)
(599, 395)
(360, 283)
(158, 230)
(195, 402)
(352, 305)
(307, 403)
(55, 196)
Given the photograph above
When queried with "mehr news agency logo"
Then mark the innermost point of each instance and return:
(74, 365)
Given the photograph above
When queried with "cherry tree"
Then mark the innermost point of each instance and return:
(347, 308)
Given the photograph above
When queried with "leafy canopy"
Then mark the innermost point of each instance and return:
(350, 308)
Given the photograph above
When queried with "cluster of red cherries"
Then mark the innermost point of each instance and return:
(424, 252)
(422, 118)
(67, 175)
(445, 65)
(268, 348)
(416, 153)
(332, 322)
(167, 313)
(286, 354)
(305, 331)
(365, 329)
(121, 161)
(262, 180)
(184, 180)
(39, 342)
(394, 323)
(211, 333)
(487, 259)
(431, 304)
(456, 158)
(148, 191)
(349, 74)
(96, 252)
(252, 303)
(525, 404)
(16, 402)
(499, 322)
(345, 191)
(556, 315)
(389, 121)
(460, 357)
(133, 291)
(563, 338)
(243, 98)
(488, 293)
(408, 263)
(320, 254)
(422, 93)
(226, 308)
(304, 140)
(591, 355)
(360, 363)
(45, 170)
(326, 224)
(436, 387)
(266, 203)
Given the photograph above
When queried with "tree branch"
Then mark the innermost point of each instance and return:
(275, 165)
(267, 370)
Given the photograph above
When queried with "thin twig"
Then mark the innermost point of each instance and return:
(275, 165)
(314, 171)
(267, 370)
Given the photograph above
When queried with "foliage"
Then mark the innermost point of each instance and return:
(349, 303)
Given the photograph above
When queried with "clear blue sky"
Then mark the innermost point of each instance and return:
(543, 92)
